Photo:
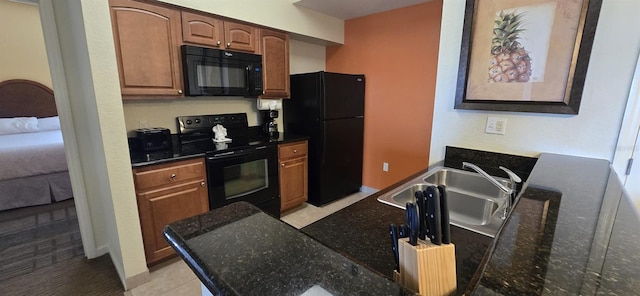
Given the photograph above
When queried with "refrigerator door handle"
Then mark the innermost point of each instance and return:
(324, 144)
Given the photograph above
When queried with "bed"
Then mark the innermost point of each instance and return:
(33, 167)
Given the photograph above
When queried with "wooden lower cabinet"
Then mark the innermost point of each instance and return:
(170, 192)
(293, 174)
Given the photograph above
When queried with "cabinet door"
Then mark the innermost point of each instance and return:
(240, 37)
(158, 208)
(202, 30)
(147, 39)
(293, 183)
(275, 62)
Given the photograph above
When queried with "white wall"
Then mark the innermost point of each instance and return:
(278, 14)
(22, 58)
(90, 70)
(306, 57)
(592, 133)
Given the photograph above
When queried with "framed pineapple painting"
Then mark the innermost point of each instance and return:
(525, 55)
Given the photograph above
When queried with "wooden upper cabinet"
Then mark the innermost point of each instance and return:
(147, 41)
(275, 63)
(240, 37)
(202, 30)
(212, 32)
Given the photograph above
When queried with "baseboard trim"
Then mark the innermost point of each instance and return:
(104, 249)
(137, 280)
(369, 190)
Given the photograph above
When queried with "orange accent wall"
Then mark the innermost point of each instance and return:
(397, 51)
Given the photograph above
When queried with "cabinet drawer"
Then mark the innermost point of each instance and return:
(170, 173)
(292, 150)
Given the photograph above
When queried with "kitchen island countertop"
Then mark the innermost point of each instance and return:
(239, 250)
(573, 231)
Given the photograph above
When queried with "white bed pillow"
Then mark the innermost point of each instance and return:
(49, 123)
(17, 125)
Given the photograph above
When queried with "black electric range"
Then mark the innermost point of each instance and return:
(195, 134)
(244, 169)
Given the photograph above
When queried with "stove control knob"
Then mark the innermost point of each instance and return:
(189, 121)
(197, 120)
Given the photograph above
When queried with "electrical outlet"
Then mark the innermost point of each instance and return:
(385, 166)
(142, 124)
(496, 125)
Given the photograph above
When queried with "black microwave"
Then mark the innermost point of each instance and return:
(214, 72)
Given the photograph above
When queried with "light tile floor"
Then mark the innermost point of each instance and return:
(173, 277)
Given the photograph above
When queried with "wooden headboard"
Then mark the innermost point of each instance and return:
(26, 98)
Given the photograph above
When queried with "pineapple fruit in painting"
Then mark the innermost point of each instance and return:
(510, 61)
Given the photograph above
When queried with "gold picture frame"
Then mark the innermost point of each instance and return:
(525, 55)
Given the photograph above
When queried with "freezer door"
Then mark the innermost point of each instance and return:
(341, 158)
(343, 96)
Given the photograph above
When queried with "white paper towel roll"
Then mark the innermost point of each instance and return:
(269, 104)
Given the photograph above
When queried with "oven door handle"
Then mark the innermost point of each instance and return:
(223, 155)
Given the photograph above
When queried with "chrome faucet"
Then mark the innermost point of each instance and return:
(509, 192)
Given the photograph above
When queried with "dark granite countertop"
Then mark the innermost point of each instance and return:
(565, 236)
(283, 138)
(582, 240)
(361, 232)
(239, 250)
(572, 231)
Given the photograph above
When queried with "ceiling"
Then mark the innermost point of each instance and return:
(348, 9)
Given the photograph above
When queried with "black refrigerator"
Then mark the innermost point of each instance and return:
(329, 109)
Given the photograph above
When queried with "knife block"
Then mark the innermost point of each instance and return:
(427, 268)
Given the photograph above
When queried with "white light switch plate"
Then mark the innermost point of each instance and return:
(496, 125)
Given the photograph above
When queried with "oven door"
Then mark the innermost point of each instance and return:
(249, 175)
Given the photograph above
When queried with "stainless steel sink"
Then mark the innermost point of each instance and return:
(474, 202)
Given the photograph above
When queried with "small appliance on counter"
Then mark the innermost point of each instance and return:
(151, 144)
(269, 124)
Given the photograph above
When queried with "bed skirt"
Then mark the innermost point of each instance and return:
(35, 190)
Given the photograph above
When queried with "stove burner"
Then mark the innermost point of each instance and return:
(195, 134)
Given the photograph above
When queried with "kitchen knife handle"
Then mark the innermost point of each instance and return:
(412, 221)
(393, 232)
(422, 231)
(444, 215)
(433, 215)
(403, 231)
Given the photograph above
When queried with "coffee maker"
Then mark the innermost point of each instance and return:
(269, 124)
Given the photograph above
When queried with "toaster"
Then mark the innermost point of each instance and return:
(151, 144)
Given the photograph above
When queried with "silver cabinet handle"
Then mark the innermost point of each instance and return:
(202, 184)
(218, 43)
(295, 150)
(229, 44)
(173, 176)
(179, 91)
(282, 164)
